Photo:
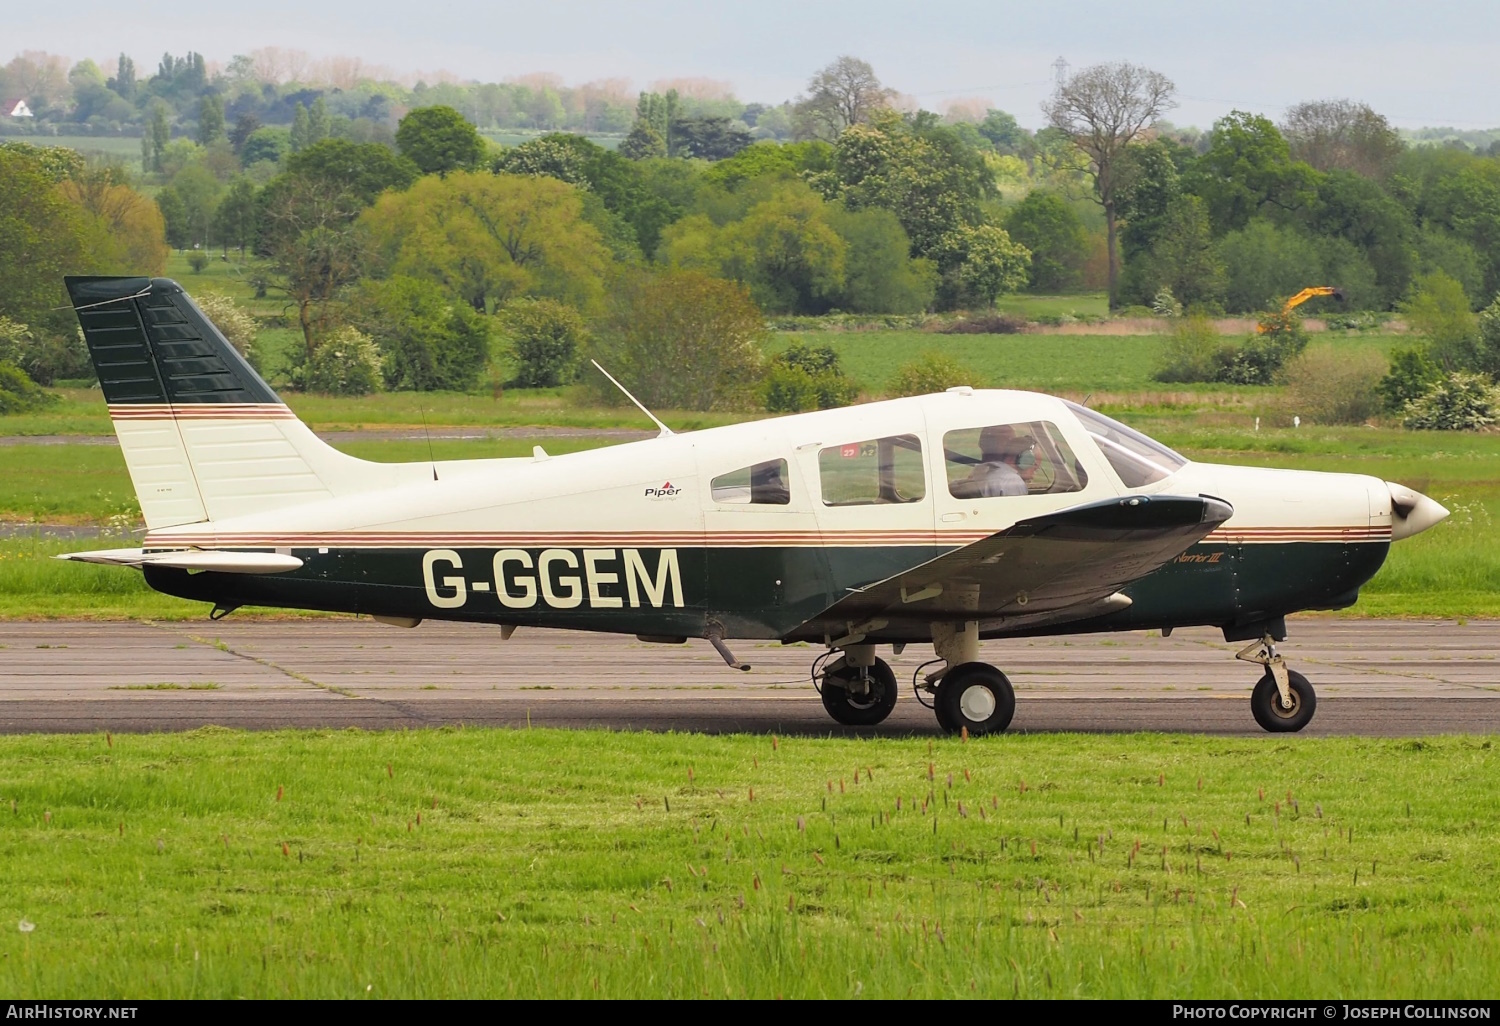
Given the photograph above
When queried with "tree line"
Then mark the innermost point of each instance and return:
(869, 210)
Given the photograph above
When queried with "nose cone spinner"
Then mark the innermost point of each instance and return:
(1412, 512)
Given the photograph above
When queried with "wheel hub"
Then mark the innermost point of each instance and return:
(977, 703)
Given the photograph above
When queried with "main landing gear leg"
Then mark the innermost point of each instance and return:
(1283, 700)
(968, 695)
(858, 689)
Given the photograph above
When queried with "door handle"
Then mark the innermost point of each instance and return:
(952, 518)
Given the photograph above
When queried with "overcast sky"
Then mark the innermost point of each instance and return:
(1419, 63)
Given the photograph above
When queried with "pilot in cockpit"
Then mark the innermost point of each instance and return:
(1007, 464)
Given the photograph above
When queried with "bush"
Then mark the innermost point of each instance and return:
(681, 340)
(930, 372)
(1439, 311)
(1328, 385)
(19, 394)
(197, 260)
(1459, 402)
(789, 390)
(1164, 304)
(1259, 359)
(1487, 345)
(235, 324)
(989, 324)
(1195, 352)
(804, 378)
(544, 338)
(45, 358)
(1411, 376)
(428, 340)
(347, 362)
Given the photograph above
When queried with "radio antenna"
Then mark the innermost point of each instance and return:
(665, 431)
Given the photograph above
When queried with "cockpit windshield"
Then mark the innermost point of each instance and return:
(1137, 459)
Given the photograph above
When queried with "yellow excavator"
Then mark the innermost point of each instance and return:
(1302, 297)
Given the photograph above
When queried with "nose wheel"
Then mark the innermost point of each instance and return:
(1278, 717)
(1283, 701)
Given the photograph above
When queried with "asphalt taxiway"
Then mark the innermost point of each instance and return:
(1381, 678)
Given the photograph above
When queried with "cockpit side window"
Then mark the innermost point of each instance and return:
(876, 471)
(1011, 459)
(762, 484)
(1137, 459)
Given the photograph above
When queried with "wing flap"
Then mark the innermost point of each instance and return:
(192, 559)
(1046, 569)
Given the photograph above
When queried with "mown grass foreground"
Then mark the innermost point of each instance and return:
(558, 863)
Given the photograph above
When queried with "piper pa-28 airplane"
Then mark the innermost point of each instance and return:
(943, 519)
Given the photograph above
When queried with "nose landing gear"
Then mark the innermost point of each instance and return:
(1283, 700)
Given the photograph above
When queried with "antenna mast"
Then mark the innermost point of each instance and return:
(665, 431)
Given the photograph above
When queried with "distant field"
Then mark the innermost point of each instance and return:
(485, 863)
(1077, 364)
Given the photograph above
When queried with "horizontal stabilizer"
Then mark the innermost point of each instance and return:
(192, 559)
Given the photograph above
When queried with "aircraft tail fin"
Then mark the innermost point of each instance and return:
(204, 437)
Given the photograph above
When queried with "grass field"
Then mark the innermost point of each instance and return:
(577, 864)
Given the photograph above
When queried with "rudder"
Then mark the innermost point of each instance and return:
(204, 437)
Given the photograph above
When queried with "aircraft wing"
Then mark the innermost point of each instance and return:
(1062, 566)
(191, 559)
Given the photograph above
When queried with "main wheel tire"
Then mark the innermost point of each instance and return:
(854, 710)
(975, 696)
(1265, 703)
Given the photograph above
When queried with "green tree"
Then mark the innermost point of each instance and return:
(429, 339)
(1183, 257)
(1248, 171)
(784, 250)
(1348, 206)
(174, 218)
(235, 219)
(921, 173)
(317, 122)
(1438, 310)
(265, 144)
(160, 134)
(709, 138)
(199, 191)
(439, 141)
(365, 170)
(644, 141)
(307, 231)
(680, 339)
(40, 238)
(1487, 341)
(1046, 225)
(1005, 133)
(880, 274)
(489, 238)
(301, 129)
(210, 119)
(978, 264)
(543, 338)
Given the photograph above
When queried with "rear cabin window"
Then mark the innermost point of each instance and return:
(877, 471)
(1011, 459)
(764, 484)
(1137, 459)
